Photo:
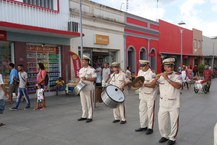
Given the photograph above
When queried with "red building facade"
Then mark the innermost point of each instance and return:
(142, 41)
(170, 43)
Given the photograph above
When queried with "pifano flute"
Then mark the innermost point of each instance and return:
(160, 74)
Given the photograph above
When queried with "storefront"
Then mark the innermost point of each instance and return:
(30, 49)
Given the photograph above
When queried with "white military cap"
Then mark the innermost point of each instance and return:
(115, 64)
(144, 62)
(86, 57)
(169, 61)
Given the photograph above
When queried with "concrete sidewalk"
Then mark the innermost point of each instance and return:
(58, 124)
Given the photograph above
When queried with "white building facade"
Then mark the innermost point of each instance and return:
(209, 51)
(103, 29)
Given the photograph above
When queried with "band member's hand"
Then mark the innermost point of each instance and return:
(83, 78)
(165, 75)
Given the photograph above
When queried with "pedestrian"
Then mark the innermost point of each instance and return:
(169, 84)
(40, 97)
(195, 70)
(184, 77)
(99, 75)
(14, 82)
(42, 78)
(128, 72)
(119, 79)
(106, 71)
(3, 93)
(87, 75)
(22, 89)
(147, 97)
(207, 74)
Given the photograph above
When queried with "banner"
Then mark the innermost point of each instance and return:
(76, 62)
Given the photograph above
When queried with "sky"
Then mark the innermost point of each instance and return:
(199, 14)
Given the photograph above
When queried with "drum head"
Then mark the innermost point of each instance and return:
(115, 93)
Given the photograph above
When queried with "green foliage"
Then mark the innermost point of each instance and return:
(201, 68)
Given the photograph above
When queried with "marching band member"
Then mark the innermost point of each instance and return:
(119, 79)
(87, 75)
(169, 108)
(147, 97)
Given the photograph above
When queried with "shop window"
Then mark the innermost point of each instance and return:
(49, 56)
(5, 59)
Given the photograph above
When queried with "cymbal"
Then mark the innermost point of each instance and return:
(137, 83)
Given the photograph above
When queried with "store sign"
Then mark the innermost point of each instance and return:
(3, 35)
(76, 62)
(102, 39)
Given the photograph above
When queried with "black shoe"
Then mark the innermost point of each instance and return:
(149, 131)
(171, 142)
(27, 107)
(123, 122)
(163, 139)
(115, 121)
(89, 120)
(141, 129)
(82, 119)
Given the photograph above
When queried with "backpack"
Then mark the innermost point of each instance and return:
(46, 80)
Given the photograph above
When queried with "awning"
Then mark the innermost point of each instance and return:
(184, 54)
(13, 27)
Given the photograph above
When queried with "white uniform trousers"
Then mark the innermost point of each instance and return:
(215, 135)
(119, 112)
(163, 120)
(87, 104)
(146, 113)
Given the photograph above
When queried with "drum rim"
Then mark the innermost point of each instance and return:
(110, 97)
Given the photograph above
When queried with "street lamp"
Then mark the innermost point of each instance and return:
(213, 51)
(81, 30)
(181, 33)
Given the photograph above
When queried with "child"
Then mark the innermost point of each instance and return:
(40, 98)
(60, 85)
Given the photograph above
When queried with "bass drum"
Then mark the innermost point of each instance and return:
(112, 96)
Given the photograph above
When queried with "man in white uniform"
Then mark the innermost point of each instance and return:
(147, 97)
(87, 75)
(119, 79)
(169, 83)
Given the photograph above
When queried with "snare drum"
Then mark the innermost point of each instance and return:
(112, 96)
(79, 87)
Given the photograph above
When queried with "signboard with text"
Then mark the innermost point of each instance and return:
(102, 39)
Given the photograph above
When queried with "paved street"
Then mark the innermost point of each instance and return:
(58, 124)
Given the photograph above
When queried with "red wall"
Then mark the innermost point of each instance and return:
(170, 38)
